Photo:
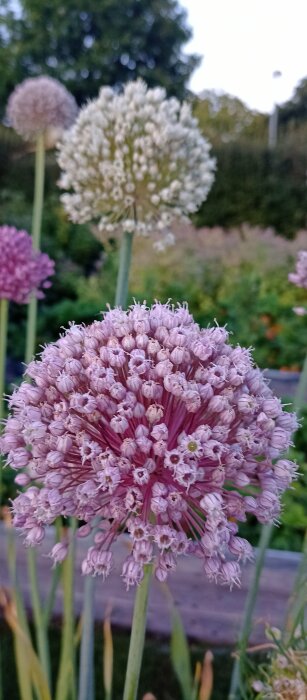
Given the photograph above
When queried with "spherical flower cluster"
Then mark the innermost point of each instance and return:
(23, 271)
(157, 428)
(38, 104)
(134, 162)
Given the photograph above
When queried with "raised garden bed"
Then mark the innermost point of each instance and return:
(211, 613)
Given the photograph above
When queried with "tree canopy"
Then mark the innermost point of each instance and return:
(224, 119)
(89, 43)
(293, 113)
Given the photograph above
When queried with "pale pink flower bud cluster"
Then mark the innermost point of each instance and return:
(157, 428)
(23, 271)
(136, 162)
(38, 104)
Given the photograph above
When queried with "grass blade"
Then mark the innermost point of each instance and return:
(30, 667)
(180, 655)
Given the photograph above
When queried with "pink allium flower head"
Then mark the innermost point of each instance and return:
(23, 271)
(157, 427)
(38, 104)
(299, 277)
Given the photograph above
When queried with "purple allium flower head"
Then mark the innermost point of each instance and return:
(23, 271)
(157, 427)
(299, 277)
(38, 104)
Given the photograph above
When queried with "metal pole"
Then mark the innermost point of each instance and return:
(273, 120)
(273, 128)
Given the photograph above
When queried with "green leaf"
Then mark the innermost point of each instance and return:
(180, 655)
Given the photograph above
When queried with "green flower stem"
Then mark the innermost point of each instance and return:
(297, 602)
(40, 628)
(299, 590)
(38, 191)
(49, 602)
(300, 395)
(24, 682)
(266, 532)
(86, 672)
(86, 675)
(41, 631)
(265, 536)
(137, 637)
(36, 234)
(31, 330)
(4, 306)
(55, 578)
(66, 681)
(124, 269)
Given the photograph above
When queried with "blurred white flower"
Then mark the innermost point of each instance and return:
(134, 161)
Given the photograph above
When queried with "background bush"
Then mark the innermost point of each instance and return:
(264, 187)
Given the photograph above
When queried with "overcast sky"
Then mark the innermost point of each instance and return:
(243, 42)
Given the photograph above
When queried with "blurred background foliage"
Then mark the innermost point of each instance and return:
(87, 44)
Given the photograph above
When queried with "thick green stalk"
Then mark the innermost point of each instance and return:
(49, 602)
(66, 681)
(123, 270)
(55, 578)
(297, 603)
(36, 234)
(266, 532)
(24, 681)
(265, 536)
(301, 392)
(86, 672)
(4, 305)
(300, 585)
(137, 637)
(86, 675)
(38, 613)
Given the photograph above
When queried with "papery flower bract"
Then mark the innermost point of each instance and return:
(157, 427)
(23, 271)
(38, 104)
(135, 162)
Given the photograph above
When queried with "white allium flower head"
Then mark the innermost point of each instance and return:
(134, 161)
(40, 104)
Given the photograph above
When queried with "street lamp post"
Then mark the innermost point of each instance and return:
(273, 120)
